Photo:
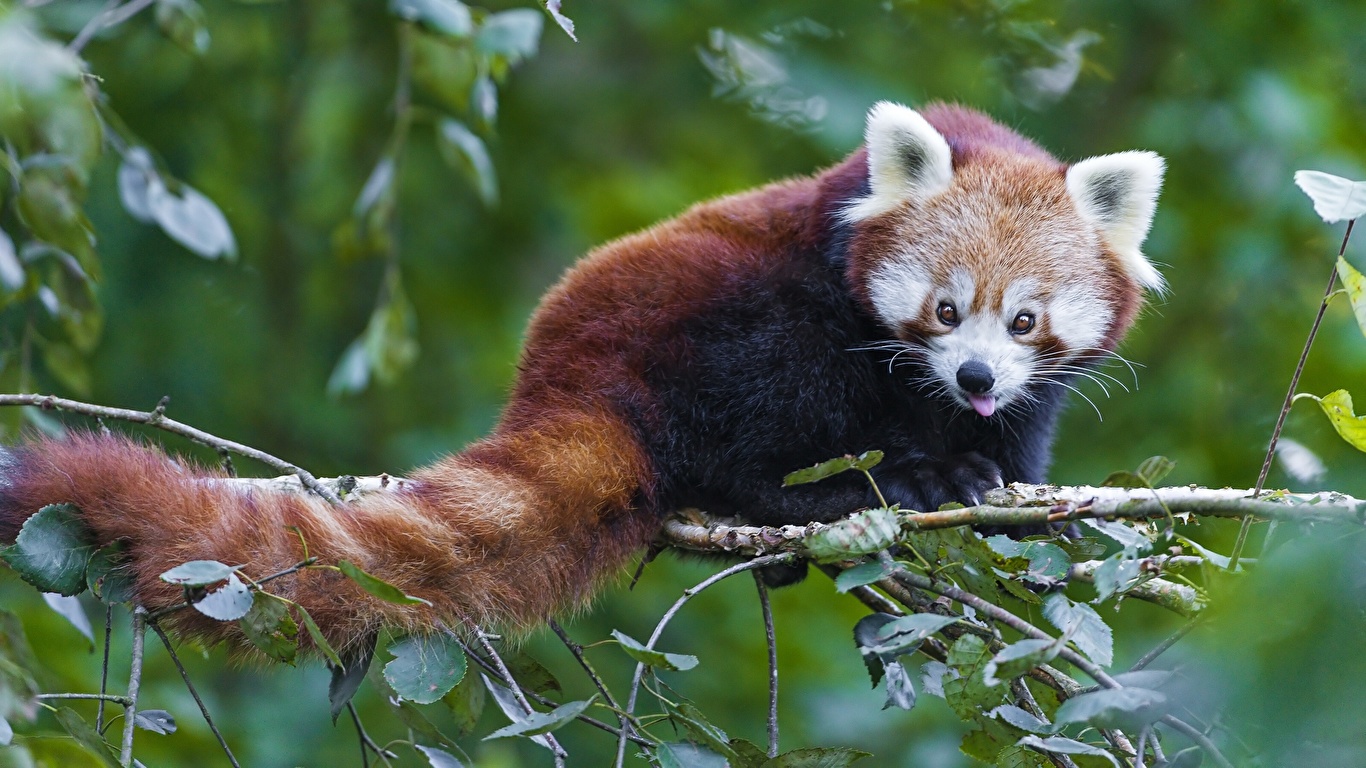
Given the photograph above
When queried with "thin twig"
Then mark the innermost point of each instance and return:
(111, 15)
(361, 736)
(1194, 734)
(161, 421)
(203, 710)
(104, 667)
(516, 689)
(1289, 399)
(539, 699)
(100, 697)
(130, 710)
(365, 740)
(577, 651)
(758, 562)
(1162, 647)
(767, 610)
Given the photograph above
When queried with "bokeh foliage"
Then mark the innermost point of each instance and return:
(282, 114)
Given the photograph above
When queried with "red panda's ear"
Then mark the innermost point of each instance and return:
(1118, 194)
(907, 159)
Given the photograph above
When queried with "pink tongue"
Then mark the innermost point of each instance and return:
(983, 404)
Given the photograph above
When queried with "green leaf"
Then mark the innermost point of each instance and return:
(543, 722)
(44, 106)
(12, 276)
(425, 667)
(269, 627)
(484, 102)
(1047, 561)
(1060, 746)
(1081, 549)
(1337, 406)
(1123, 479)
(932, 676)
(866, 638)
(439, 758)
(50, 197)
(1021, 719)
(52, 549)
(229, 602)
(864, 461)
(1335, 198)
(1016, 756)
(69, 608)
(696, 724)
(466, 703)
(198, 573)
(1088, 630)
(78, 310)
(859, 575)
(529, 673)
(513, 34)
(346, 680)
(1117, 574)
(316, 634)
(861, 533)
(907, 633)
(449, 17)
(444, 72)
(18, 665)
(968, 694)
(135, 177)
(378, 587)
(673, 662)
(552, 7)
(1122, 534)
(1154, 469)
(900, 689)
(157, 721)
(1018, 658)
(817, 757)
(681, 754)
(192, 220)
(465, 152)
(183, 22)
(1113, 708)
(86, 736)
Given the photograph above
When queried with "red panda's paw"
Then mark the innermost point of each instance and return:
(926, 486)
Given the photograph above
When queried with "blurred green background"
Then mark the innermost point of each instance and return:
(659, 105)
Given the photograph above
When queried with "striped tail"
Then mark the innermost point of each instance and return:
(521, 525)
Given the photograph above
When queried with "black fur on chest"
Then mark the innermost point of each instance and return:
(769, 377)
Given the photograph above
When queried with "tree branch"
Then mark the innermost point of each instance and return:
(157, 418)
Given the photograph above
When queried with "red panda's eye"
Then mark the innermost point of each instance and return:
(1024, 323)
(948, 315)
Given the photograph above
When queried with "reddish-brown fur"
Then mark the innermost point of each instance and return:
(532, 519)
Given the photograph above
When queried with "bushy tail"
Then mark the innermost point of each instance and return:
(517, 527)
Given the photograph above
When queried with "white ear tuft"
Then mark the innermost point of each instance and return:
(1118, 194)
(907, 159)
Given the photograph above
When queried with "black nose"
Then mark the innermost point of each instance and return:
(975, 377)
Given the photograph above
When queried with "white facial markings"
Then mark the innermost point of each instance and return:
(898, 289)
(960, 291)
(1078, 317)
(983, 334)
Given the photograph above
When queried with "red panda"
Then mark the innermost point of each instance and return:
(931, 296)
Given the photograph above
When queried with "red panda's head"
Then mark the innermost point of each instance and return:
(996, 265)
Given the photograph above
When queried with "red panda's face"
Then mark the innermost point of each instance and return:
(1004, 271)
